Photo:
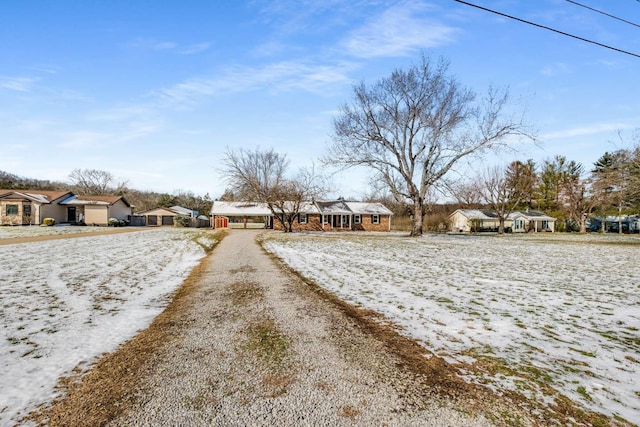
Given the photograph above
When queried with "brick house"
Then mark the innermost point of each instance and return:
(336, 215)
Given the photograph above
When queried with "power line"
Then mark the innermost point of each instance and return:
(604, 13)
(550, 29)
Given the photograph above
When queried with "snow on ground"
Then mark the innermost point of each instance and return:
(35, 230)
(565, 309)
(64, 302)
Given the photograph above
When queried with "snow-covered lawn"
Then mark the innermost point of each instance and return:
(64, 302)
(551, 309)
(7, 232)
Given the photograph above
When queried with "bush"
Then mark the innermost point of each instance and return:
(182, 221)
(113, 222)
(48, 222)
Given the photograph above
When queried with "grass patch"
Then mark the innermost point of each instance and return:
(269, 344)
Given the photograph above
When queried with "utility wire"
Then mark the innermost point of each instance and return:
(550, 29)
(604, 13)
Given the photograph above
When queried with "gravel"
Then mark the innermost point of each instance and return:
(258, 347)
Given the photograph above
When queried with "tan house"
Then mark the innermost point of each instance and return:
(23, 207)
(337, 215)
(479, 220)
(165, 216)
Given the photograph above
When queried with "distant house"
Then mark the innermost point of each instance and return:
(166, 216)
(479, 220)
(612, 224)
(336, 215)
(22, 207)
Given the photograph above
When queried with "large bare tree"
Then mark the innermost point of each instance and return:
(413, 127)
(262, 176)
(96, 182)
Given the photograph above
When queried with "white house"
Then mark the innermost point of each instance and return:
(468, 220)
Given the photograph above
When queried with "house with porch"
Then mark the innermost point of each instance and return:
(486, 220)
(336, 215)
(24, 207)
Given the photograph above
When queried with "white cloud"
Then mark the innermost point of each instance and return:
(19, 84)
(194, 48)
(585, 130)
(399, 31)
(275, 77)
(170, 46)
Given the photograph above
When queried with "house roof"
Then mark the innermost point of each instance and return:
(159, 209)
(532, 215)
(487, 214)
(336, 207)
(184, 211)
(368, 208)
(40, 196)
(239, 209)
(94, 200)
(333, 207)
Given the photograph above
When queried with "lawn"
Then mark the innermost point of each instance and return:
(65, 302)
(543, 315)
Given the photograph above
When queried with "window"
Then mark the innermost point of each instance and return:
(302, 218)
(12, 210)
(26, 210)
(375, 219)
(325, 219)
(357, 219)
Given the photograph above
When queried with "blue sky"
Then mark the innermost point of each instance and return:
(154, 91)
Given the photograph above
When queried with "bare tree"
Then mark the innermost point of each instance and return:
(261, 176)
(499, 189)
(577, 194)
(414, 126)
(96, 182)
(466, 194)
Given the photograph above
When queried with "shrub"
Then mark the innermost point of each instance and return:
(48, 222)
(113, 222)
(182, 221)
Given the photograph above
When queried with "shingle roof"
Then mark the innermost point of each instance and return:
(41, 196)
(93, 200)
(368, 208)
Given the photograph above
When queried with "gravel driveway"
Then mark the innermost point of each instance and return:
(261, 348)
(246, 343)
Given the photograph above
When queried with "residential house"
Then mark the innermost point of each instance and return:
(165, 216)
(336, 215)
(23, 207)
(479, 220)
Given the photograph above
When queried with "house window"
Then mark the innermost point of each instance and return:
(545, 225)
(357, 219)
(325, 219)
(302, 218)
(375, 219)
(12, 210)
(26, 210)
(519, 224)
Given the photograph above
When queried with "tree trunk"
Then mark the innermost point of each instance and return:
(583, 225)
(500, 225)
(417, 220)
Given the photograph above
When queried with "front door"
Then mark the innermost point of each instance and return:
(71, 214)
